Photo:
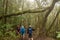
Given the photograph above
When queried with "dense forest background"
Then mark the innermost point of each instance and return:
(43, 15)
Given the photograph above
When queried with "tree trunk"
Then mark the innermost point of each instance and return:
(45, 18)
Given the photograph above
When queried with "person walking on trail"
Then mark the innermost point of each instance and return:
(18, 29)
(22, 31)
(30, 31)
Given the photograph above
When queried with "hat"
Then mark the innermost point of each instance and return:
(22, 26)
(30, 26)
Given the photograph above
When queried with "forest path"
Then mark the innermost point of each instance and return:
(42, 38)
(39, 38)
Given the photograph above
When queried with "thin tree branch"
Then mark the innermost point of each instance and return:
(6, 11)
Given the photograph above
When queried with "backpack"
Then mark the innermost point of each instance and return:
(22, 30)
(30, 30)
(18, 29)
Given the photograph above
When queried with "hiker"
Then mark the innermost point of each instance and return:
(18, 29)
(30, 31)
(22, 31)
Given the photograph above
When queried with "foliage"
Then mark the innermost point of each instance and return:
(46, 22)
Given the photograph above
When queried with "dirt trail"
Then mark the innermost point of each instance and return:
(40, 38)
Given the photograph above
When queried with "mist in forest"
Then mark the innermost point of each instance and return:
(42, 15)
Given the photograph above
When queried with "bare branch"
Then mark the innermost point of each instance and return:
(47, 14)
(24, 12)
(52, 22)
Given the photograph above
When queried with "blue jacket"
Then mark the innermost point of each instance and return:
(22, 30)
(30, 30)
